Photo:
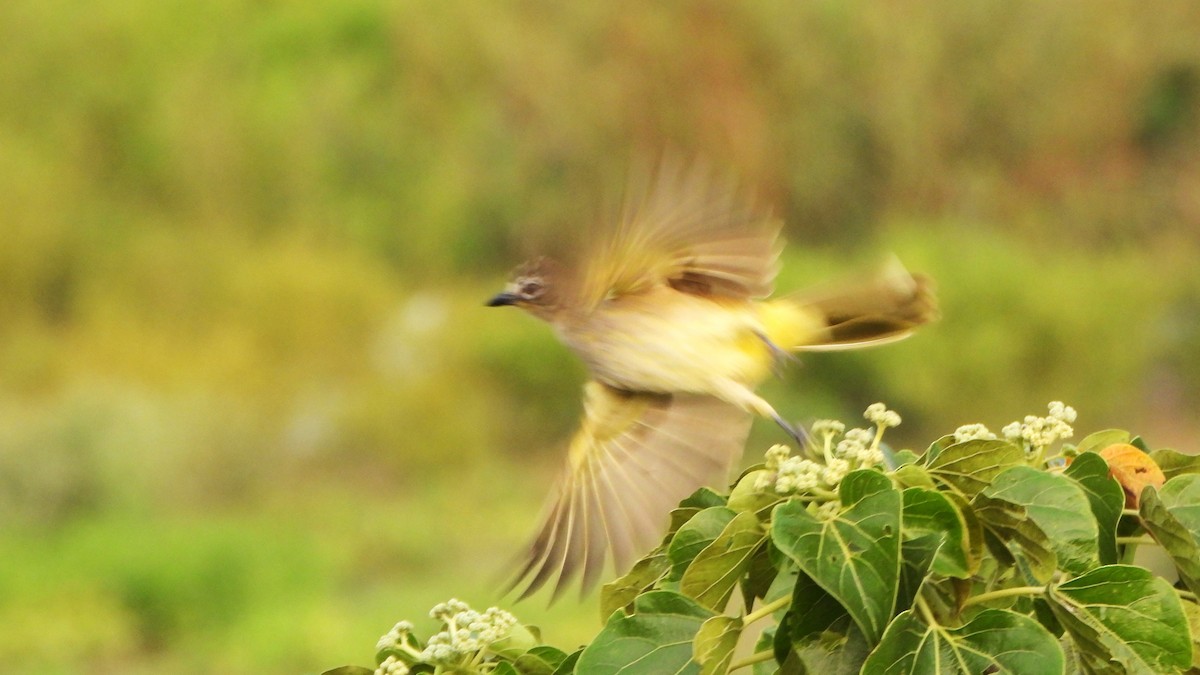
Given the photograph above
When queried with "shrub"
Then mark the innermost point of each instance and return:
(987, 553)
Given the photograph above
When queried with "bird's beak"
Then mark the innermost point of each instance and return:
(502, 299)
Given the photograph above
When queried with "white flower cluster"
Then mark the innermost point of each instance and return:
(881, 416)
(398, 638)
(392, 666)
(787, 474)
(973, 432)
(1041, 432)
(467, 632)
(466, 636)
(859, 446)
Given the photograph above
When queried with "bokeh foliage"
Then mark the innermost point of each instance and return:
(247, 389)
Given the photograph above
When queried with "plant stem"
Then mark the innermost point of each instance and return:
(1003, 593)
(757, 657)
(1186, 595)
(766, 610)
(1131, 512)
(926, 611)
(1136, 541)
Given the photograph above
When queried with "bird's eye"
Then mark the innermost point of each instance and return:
(531, 289)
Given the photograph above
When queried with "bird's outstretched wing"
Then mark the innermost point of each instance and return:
(634, 458)
(685, 226)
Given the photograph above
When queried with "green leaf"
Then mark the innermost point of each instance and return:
(747, 497)
(714, 644)
(913, 475)
(620, 593)
(505, 668)
(812, 610)
(855, 555)
(713, 574)
(567, 667)
(1018, 534)
(1099, 440)
(931, 512)
(971, 466)
(350, 670)
(702, 499)
(1177, 538)
(1181, 496)
(540, 660)
(833, 653)
(694, 536)
(1124, 620)
(656, 638)
(761, 574)
(1059, 507)
(699, 500)
(994, 640)
(1105, 497)
(1175, 463)
(1192, 611)
(916, 557)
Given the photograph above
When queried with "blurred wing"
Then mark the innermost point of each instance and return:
(687, 228)
(634, 459)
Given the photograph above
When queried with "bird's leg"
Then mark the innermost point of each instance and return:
(740, 395)
(779, 355)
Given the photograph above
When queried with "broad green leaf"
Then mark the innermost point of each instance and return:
(350, 670)
(714, 572)
(1099, 440)
(656, 638)
(905, 457)
(714, 644)
(694, 535)
(1013, 530)
(1059, 507)
(1105, 497)
(931, 512)
(702, 499)
(761, 574)
(747, 497)
(1176, 538)
(694, 503)
(1181, 496)
(540, 660)
(971, 466)
(994, 640)
(1175, 463)
(1124, 619)
(567, 667)
(505, 668)
(936, 447)
(916, 557)
(833, 652)
(855, 555)
(1192, 611)
(812, 610)
(619, 593)
(913, 475)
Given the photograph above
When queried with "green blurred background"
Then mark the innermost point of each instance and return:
(252, 410)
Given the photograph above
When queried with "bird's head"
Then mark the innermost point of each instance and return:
(532, 288)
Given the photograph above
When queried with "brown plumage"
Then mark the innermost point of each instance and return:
(667, 312)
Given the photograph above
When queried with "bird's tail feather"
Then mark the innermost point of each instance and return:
(883, 309)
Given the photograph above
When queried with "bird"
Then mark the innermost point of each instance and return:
(669, 309)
